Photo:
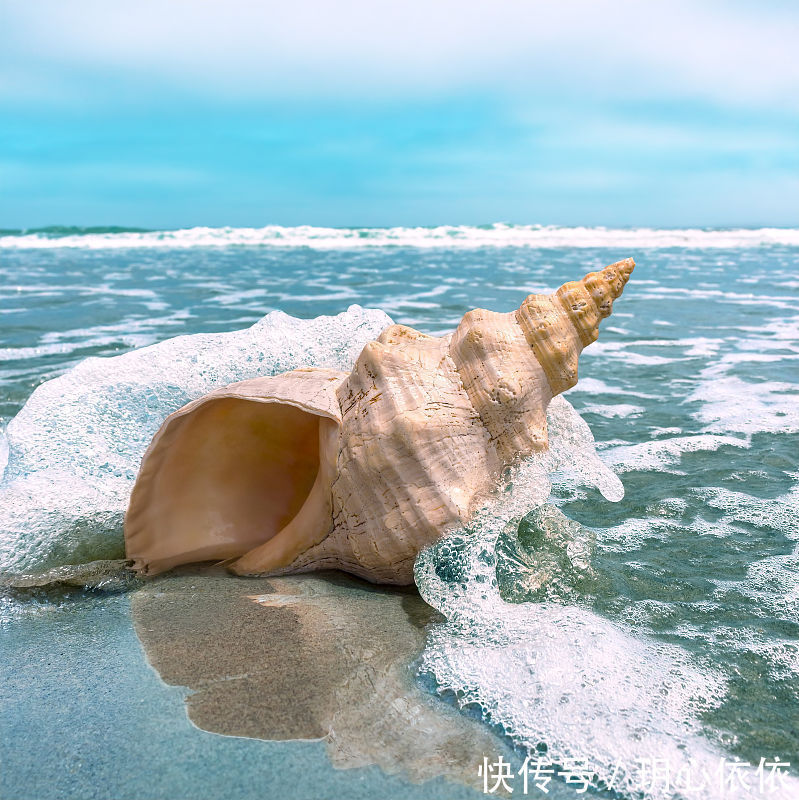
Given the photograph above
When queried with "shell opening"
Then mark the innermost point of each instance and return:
(224, 479)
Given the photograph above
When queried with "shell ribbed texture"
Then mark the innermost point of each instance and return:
(429, 423)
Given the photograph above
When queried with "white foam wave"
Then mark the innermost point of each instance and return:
(773, 581)
(663, 455)
(621, 350)
(65, 348)
(668, 294)
(458, 236)
(780, 513)
(613, 411)
(3, 453)
(730, 404)
(75, 447)
(596, 386)
(633, 533)
(691, 347)
(561, 676)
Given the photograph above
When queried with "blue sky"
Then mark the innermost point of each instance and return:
(385, 113)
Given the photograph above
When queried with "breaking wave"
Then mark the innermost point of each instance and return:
(449, 236)
(74, 449)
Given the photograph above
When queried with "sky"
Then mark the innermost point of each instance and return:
(421, 112)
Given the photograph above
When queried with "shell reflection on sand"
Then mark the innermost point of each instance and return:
(336, 665)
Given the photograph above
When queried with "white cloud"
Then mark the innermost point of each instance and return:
(734, 53)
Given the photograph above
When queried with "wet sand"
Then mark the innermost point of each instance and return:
(320, 656)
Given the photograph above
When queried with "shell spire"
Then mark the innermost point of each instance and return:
(560, 325)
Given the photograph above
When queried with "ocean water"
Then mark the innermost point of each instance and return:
(666, 637)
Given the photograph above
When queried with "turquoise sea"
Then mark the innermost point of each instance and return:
(672, 646)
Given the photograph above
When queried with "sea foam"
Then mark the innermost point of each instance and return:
(563, 683)
(74, 449)
(450, 236)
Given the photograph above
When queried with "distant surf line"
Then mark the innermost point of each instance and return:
(443, 236)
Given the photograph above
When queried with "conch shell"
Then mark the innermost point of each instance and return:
(316, 469)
